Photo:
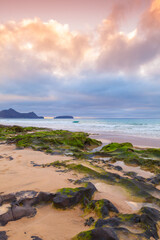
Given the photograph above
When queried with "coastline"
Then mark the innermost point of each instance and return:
(107, 131)
(137, 141)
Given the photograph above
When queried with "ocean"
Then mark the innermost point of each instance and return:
(148, 128)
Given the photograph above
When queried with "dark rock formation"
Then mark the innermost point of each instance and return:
(99, 234)
(30, 198)
(11, 113)
(147, 219)
(113, 222)
(103, 233)
(89, 221)
(22, 204)
(118, 168)
(36, 238)
(7, 198)
(69, 197)
(64, 117)
(3, 236)
(102, 207)
(15, 213)
(154, 180)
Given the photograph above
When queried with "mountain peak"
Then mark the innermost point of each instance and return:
(11, 113)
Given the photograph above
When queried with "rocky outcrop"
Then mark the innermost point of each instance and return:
(69, 197)
(3, 235)
(154, 180)
(102, 207)
(36, 238)
(16, 212)
(21, 204)
(147, 219)
(98, 234)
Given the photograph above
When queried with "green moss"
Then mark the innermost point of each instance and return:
(126, 217)
(148, 159)
(133, 188)
(117, 147)
(96, 207)
(84, 236)
(83, 169)
(69, 192)
(58, 164)
(48, 140)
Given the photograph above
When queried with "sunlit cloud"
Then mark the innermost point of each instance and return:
(46, 61)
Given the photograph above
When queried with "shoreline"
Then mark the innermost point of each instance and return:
(106, 136)
(137, 141)
(109, 137)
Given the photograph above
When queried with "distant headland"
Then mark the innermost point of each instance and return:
(11, 113)
(64, 117)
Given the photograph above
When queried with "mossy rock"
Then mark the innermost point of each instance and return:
(117, 147)
(68, 197)
(101, 207)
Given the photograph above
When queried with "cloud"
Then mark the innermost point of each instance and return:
(36, 45)
(110, 71)
(128, 52)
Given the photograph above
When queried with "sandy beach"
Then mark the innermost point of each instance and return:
(18, 173)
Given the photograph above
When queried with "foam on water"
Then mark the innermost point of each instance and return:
(134, 127)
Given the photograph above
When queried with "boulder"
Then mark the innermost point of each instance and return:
(36, 238)
(7, 198)
(36, 199)
(3, 236)
(89, 221)
(99, 234)
(69, 197)
(15, 213)
(102, 207)
(103, 234)
(112, 222)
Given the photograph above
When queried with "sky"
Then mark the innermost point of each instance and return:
(88, 58)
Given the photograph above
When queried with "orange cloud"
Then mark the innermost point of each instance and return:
(52, 48)
(47, 46)
(130, 51)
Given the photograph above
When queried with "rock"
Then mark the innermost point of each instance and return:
(113, 222)
(103, 234)
(21, 204)
(89, 221)
(15, 213)
(3, 236)
(131, 174)
(10, 158)
(36, 238)
(149, 218)
(7, 198)
(153, 213)
(118, 168)
(69, 197)
(154, 180)
(102, 207)
(139, 178)
(40, 197)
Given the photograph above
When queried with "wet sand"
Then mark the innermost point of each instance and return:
(135, 140)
